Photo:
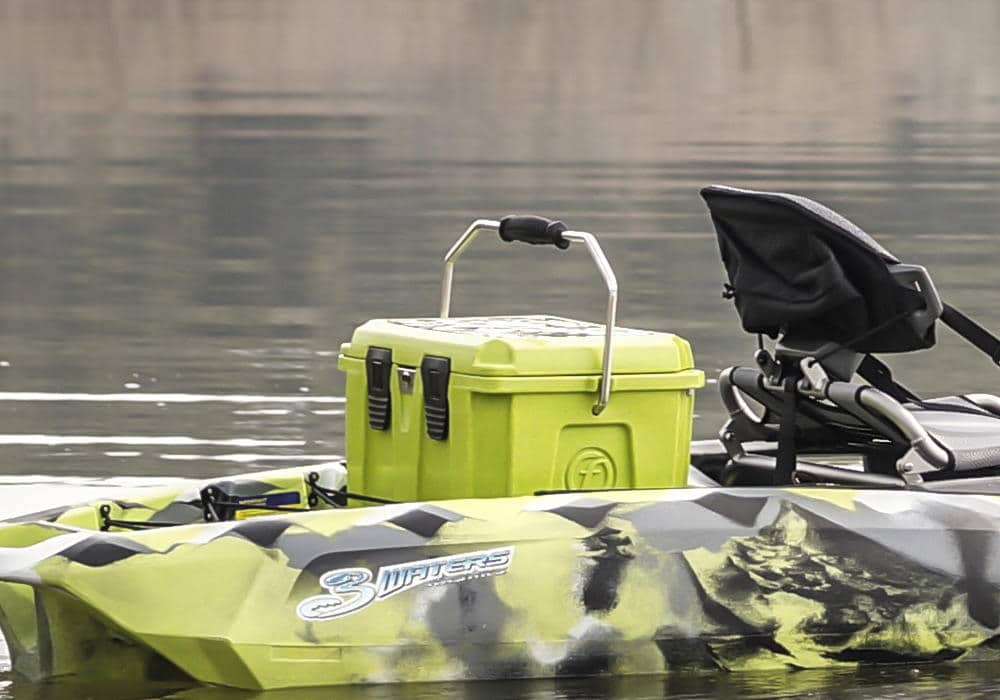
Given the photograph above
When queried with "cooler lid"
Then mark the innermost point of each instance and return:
(521, 346)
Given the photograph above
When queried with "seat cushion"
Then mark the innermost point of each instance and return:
(970, 433)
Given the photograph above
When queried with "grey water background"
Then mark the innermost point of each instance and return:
(200, 200)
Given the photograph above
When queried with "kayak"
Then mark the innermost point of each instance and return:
(633, 582)
(502, 515)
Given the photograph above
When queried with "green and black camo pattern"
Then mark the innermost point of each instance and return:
(596, 583)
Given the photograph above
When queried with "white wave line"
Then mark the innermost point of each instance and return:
(138, 397)
(263, 412)
(247, 458)
(51, 440)
(103, 481)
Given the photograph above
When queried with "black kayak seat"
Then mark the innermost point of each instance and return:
(797, 268)
(831, 296)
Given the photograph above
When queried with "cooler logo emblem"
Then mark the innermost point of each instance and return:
(590, 468)
(352, 589)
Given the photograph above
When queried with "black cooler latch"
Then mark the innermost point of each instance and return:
(378, 368)
(434, 372)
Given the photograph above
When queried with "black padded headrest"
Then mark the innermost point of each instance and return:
(798, 268)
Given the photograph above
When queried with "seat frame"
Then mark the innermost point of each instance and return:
(834, 417)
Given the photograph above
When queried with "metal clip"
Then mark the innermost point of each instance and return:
(814, 378)
(769, 367)
(406, 376)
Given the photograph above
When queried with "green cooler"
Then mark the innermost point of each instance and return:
(485, 407)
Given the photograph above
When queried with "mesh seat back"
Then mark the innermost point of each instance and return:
(800, 269)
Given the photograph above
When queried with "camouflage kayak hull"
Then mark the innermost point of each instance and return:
(627, 582)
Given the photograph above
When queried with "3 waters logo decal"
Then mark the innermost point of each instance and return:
(352, 589)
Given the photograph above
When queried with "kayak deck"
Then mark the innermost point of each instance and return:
(628, 582)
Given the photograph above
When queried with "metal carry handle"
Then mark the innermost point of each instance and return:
(537, 230)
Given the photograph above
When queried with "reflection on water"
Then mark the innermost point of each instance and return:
(966, 681)
(207, 198)
(199, 201)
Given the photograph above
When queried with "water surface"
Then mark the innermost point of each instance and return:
(200, 201)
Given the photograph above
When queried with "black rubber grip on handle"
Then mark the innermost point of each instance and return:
(535, 230)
